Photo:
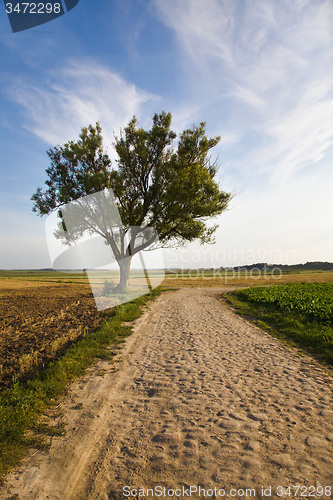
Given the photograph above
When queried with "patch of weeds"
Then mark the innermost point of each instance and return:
(51, 430)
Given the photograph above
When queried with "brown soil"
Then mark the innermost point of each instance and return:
(37, 322)
(201, 397)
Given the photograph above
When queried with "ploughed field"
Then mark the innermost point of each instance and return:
(37, 323)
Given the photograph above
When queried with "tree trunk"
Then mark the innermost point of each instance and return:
(124, 266)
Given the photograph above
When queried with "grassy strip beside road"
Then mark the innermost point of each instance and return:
(300, 315)
(22, 404)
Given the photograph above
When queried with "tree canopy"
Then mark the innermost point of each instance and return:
(158, 182)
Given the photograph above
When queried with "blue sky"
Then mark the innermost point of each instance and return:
(259, 73)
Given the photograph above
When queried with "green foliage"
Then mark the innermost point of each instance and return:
(311, 300)
(76, 169)
(298, 314)
(156, 185)
(172, 191)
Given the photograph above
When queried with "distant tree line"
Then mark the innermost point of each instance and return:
(308, 266)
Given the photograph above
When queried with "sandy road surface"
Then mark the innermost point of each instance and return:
(201, 397)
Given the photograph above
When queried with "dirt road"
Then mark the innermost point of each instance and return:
(201, 398)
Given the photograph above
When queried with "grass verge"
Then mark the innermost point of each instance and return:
(290, 327)
(22, 404)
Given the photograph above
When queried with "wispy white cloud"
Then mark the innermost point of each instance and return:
(248, 96)
(203, 30)
(303, 134)
(269, 66)
(75, 96)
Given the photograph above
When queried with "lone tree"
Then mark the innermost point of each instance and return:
(158, 184)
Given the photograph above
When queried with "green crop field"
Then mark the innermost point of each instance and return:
(311, 300)
(299, 313)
